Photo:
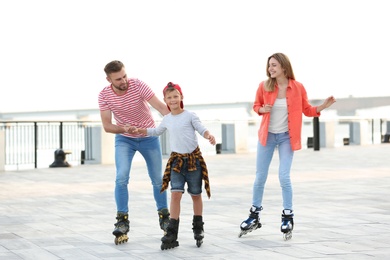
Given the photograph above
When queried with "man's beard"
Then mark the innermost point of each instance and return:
(121, 87)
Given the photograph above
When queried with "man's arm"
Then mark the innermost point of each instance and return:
(159, 106)
(108, 126)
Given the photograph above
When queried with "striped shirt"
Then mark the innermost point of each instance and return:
(131, 108)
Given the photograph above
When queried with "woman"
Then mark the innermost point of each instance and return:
(281, 101)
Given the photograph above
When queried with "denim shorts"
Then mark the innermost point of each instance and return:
(192, 178)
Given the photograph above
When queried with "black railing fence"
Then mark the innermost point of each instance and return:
(30, 144)
(33, 144)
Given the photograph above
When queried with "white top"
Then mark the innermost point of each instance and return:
(181, 129)
(278, 119)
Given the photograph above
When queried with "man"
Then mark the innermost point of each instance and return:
(128, 99)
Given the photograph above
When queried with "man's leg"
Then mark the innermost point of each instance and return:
(151, 150)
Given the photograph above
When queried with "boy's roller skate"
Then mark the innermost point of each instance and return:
(122, 227)
(169, 240)
(197, 228)
(164, 219)
(252, 223)
(287, 224)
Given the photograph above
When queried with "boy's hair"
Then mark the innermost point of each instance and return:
(169, 90)
(171, 87)
(113, 66)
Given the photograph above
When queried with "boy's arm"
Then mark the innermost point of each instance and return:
(210, 137)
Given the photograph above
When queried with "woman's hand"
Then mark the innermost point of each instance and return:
(266, 108)
(327, 103)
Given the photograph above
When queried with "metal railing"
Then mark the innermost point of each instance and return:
(33, 143)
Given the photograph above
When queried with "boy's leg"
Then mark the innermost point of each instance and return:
(175, 204)
(177, 190)
(197, 204)
(194, 183)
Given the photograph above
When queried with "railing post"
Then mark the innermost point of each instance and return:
(2, 150)
(35, 145)
(61, 137)
(316, 134)
(372, 130)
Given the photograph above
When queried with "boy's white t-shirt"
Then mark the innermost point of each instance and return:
(181, 129)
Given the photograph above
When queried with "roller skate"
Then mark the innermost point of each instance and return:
(287, 224)
(252, 223)
(169, 240)
(122, 227)
(197, 228)
(164, 219)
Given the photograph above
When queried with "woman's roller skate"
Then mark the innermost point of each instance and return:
(169, 240)
(197, 228)
(252, 223)
(164, 219)
(122, 227)
(287, 224)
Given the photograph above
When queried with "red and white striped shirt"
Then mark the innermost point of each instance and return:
(132, 107)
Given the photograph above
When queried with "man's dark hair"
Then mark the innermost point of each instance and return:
(113, 66)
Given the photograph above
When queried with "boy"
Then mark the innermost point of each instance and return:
(185, 165)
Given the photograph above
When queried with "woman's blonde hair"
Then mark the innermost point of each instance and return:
(285, 64)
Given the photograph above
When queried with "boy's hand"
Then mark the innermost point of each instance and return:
(211, 139)
(130, 129)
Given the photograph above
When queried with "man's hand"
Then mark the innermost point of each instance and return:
(129, 129)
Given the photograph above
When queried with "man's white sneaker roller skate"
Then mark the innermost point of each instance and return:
(252, 223)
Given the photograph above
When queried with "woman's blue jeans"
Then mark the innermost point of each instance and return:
(263, 161)
(150, 149)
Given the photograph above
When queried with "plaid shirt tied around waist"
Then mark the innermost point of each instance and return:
(196, 154)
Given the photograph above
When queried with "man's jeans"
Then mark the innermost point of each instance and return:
(150, 149)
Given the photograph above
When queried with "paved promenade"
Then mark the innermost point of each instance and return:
(341, 196)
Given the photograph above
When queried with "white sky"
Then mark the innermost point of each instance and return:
(52, 53)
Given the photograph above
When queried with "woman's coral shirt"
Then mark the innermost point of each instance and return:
(297, 104)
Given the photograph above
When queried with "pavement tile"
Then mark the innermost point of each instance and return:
(341, 197)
